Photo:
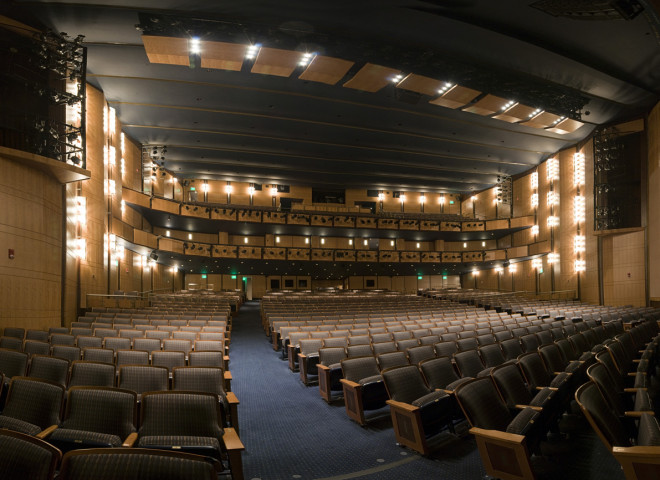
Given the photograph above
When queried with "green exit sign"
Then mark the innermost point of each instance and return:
(451, 202)
(192, 189)
(233, 277)
(444, 277)
(419, 277)
(203, 275)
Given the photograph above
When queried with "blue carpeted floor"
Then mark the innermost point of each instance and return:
(289, 432)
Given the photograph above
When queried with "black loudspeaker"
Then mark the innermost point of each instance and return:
(153, 256)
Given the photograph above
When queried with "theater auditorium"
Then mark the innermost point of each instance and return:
(395, 239)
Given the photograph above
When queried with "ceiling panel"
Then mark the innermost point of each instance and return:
(372, 78)
(167, 50)
(223, 55)
(487, 105)
(326, 70)
(275, 61)
(420, 84)
(516, 113)
(456, 97)
(542, 120)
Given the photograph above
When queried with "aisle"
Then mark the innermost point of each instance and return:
(290, 433)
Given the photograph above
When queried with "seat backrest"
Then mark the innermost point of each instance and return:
(482, 405)
(15, 332)
(64, 351)
(380, 337)
(107, 410)
(13, 363)
(511, 348)
(310, 346)
(177, 345)
(35, 401)
(600, 416)
(53, 369)
(533, 370)
(445, 349)
(168, 359)
(335, 342)
(132, 357)
(198, 379)
(104, 355)
(87, 341)
(438, 372)
(530, 342)
(599, 374)
(357, 368)
(117, 343)
(511, 385)
(206, 359)
(143, 378)
(419, 353)
(178, 413)
(405, 383)
(469, 363)
(147, 344)
(34, 458)
(383, 347)
(469, 343)
(92, 374)
(136, 464)
(552, 359)
(492, 355)
(407, 343)
(35, 347)
(392, 359)
(359, 350)
(205, 345)
(331, 355)
(11, 343)
(39, 335)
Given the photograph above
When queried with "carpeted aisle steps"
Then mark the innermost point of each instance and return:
(290, 433)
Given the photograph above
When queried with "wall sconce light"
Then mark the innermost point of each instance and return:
(579, 243)
(499, 270)
(553, 221)
(245, 240)
(190, 236)
(553, 198)
(80, 248)
(534, 180)
(535, 230)
(322, 241)
(513, 268)
(277, 239)
(537, 263)
(579, 209)
(110, 187)
(534, 200)
(578, 169)
(580, 265)
(552, 166)
(80, 210)
(366, 242)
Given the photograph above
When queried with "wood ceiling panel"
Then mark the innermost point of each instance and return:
(326, 70)
(567, 125)
(223, 55)
(372, 78)
(487, 106)
(456, 97)
(517, 113)
(167, 50)
(274, 61)
(542, 120)
(421, 84)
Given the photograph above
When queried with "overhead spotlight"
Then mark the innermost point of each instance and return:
(445, 88)
(508, 105)
(535, 113)
(252, 51)
(397, 78)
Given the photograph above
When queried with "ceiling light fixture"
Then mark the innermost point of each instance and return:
(252, 51)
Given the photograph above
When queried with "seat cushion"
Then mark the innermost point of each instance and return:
(560, 379)
(84, 439)
(522, 422)
(11, 423)
(429, 398)
(371, 379)
(541, 397)
(648, 432)
(456, 383)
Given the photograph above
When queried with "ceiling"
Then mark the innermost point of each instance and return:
(258, 124)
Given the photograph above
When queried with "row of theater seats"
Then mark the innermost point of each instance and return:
(510, 407)
(179, 434)
(617, 403)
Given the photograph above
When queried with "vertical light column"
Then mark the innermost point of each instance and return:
(552, 167)
(579, 210)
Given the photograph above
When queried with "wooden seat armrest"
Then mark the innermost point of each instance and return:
(496, 435)
(130, 440)
(554, 389)
(568, 374)
(402, 406)
(643, 451)
(232, 399)
(227, 375)
(634, 374)
(320, 366)
(301, 356)
(533, 407)
(635, 390)
(637, 360)
(231, 440)
(46, 432)
(637, 414)
(349, 383)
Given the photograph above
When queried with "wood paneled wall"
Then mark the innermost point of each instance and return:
(31, 226)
